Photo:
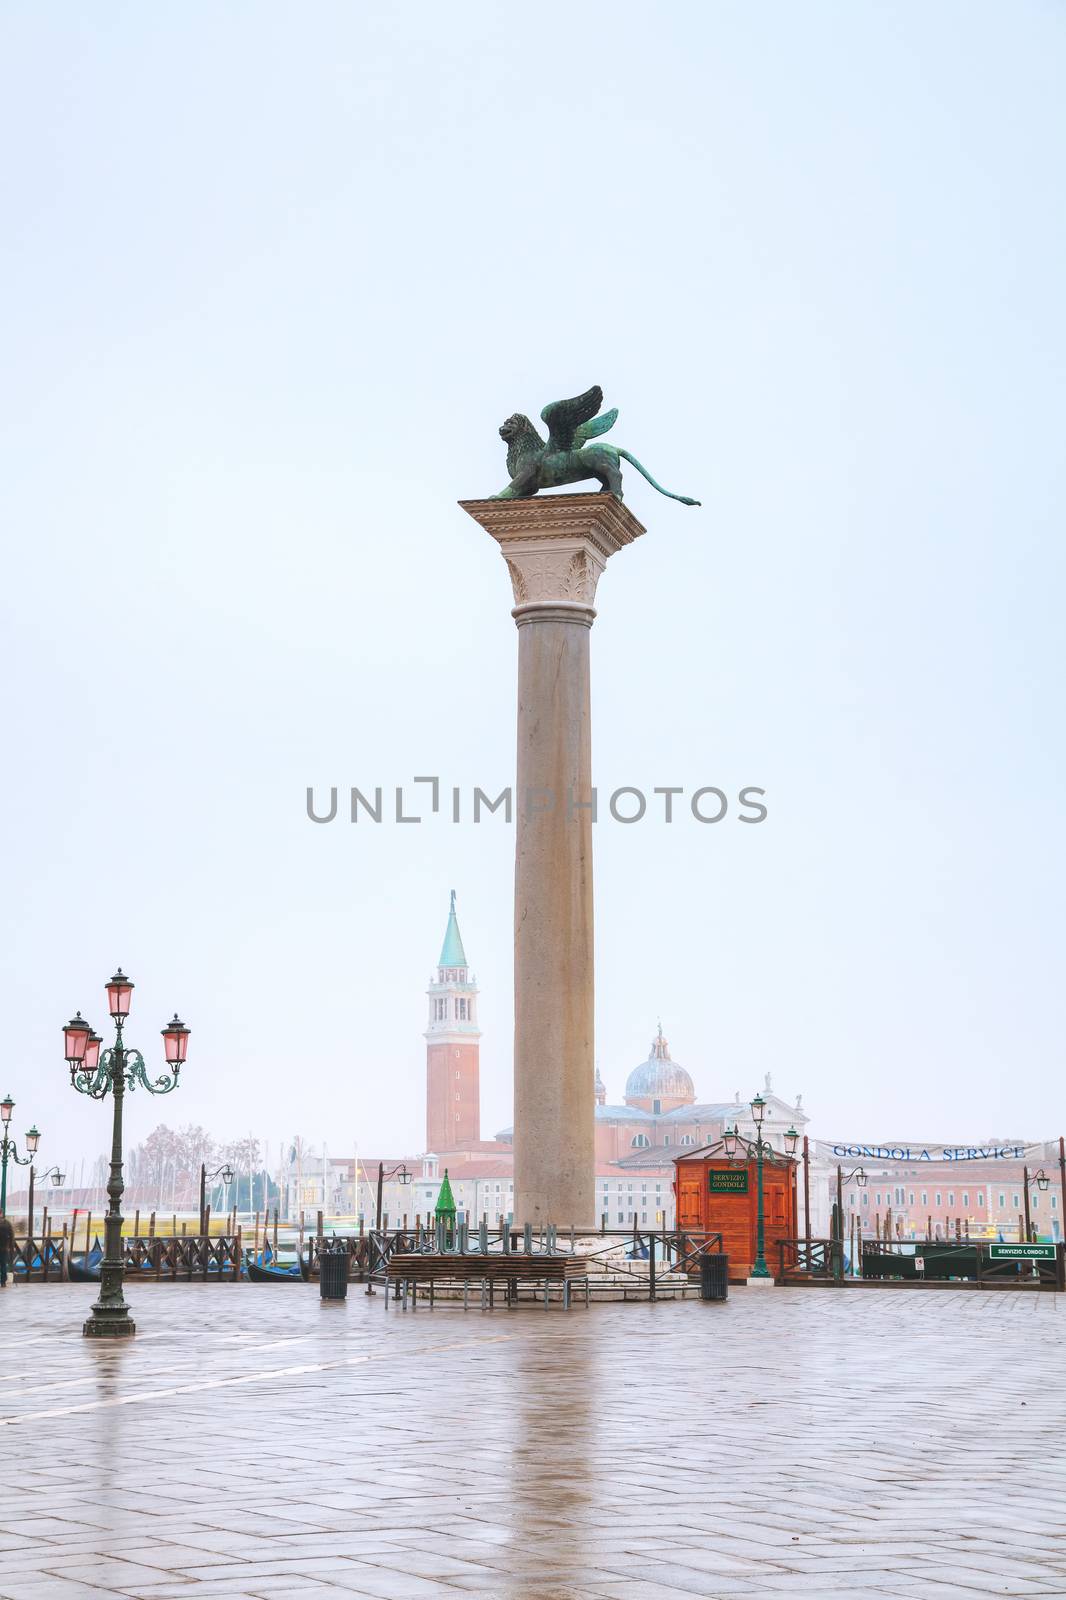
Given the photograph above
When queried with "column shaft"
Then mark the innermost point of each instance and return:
(553, 923)
(556, 547)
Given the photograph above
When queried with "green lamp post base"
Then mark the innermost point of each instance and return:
(109, 1322)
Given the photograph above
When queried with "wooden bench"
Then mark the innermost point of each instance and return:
(410, 1270)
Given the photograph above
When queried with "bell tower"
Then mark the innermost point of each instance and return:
(453, 1088)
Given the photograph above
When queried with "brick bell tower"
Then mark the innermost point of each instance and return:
(453, 1087)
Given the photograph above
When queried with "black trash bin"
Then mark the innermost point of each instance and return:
(333, 1273)
(714, 1277)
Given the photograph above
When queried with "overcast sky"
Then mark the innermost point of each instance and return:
(272, 278)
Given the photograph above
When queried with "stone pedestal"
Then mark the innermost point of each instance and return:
(555, 548)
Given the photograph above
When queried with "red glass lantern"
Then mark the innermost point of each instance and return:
(176, 1041)
(791, 1141)
(92, 1052)
(7, 1106)
(119, 991)
(75, 1039)
(33, 1139)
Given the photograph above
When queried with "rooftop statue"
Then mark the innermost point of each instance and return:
(567, 457)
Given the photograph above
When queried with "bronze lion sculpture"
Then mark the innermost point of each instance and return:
(566, 456)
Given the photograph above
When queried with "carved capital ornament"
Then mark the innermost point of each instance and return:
(556, 546)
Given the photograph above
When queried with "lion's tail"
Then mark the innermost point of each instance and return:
(641, 468)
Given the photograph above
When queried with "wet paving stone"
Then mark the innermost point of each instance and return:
(254, 1442)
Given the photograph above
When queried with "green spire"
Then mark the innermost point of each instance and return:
(445, 1200)
(452, 953)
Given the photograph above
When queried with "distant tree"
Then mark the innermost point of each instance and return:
(165, 1168)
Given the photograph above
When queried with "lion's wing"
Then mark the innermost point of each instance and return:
(598, 425)
(565, 416)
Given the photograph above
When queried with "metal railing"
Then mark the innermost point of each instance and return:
(822, 1259)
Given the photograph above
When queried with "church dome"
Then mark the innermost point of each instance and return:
(660, 1078)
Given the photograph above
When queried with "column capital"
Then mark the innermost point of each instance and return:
(556, 546)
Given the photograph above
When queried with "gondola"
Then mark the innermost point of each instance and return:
(260, 1274)
(78, 1272)
(85, 1268)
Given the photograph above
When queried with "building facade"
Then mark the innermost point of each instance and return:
(943, 1199)
(635, 1142)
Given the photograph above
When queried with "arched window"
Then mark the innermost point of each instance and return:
(640, 1141)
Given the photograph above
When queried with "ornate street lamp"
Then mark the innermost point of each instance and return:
(763, 1150)
(9, 1150)
(96, 1075)
(758, 1112)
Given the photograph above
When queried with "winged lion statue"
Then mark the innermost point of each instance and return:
(567, 456)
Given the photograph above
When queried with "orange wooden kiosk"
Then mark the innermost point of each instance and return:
(714, 1194)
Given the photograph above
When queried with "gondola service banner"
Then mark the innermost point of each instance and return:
(933, 1153)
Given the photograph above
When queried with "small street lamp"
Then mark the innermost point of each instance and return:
(95, 1074)
(1042, 1182)
(399, 1172)
(858, 1178)
(9, 1149)
(57, 1177)
(225, 1172)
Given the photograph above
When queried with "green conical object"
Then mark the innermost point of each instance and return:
(445, 1200)
(452, 953)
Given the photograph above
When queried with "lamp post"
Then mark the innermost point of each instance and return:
(57, 1178)
(858, 1177)
(9, 1149)
(95, 1074)
(225, 1172)
(1042, 1182)
(762, 1148)
(400, 1171)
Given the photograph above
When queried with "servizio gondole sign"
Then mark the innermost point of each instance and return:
(915, 1152)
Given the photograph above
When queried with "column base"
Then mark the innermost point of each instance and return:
(759, 1283)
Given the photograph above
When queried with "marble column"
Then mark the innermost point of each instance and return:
(555, 547)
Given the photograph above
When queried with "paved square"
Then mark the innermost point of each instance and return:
(254, 1442)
